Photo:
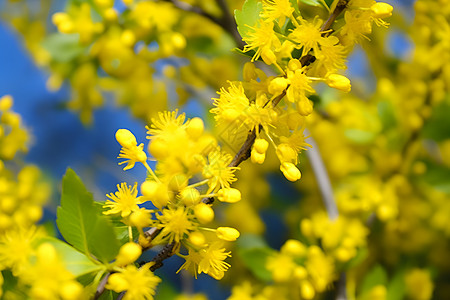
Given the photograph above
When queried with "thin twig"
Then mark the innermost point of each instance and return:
(165, 253)
(101, 286)
(323, 180)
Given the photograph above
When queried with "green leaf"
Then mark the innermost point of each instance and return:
(77, 263)
(254, 251)
(248, 16)
(81, 223)
(255, 259)
(376, 276)
(396, 287)
(311, 2)
(63, 47)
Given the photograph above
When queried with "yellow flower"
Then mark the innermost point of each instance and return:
(124, 201)
(282, 266)
(261, 38)
(307, 35)
(419, 284)
(331, 55)
(276, 9)
(299, 87)
(130, 150)
(320, 268)
(48, 277)
(175, 223)
(212, 262)
(209, 261)
(138, 283)
(230, 104)
(357, 24)
(168, 124)
(218, 172)
(15, 249)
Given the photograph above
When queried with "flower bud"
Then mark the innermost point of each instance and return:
(140, 218)
(125, 138)
(257, 158)
(278, 85)
(381, 10)
(286, 153)
(197, 238)
(6, 102)
(117, 283)
(268, 56)
(307, 290)
(290, 171)
(249, 72)
(339, 82)
(128, 254)
(195, 128)
(178, 182)
(190, 196)
(178, 40)
(260, 145)
(71, 290)
(300, 273)
(157, 192)
(158, 148)
(204, 213)
(227, 233)
(229, 195)
(294, 64)
(294, 248)
(127, 38)
(304, 107)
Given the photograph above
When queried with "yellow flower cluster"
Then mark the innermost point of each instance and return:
(24, 193)
(315, 272)
(303, 50)
(36, 266)
(190, 170)
(119, 51)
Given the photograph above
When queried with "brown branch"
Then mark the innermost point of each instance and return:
(165, 253)
(326, 29)
(101, 286)
(342, 4)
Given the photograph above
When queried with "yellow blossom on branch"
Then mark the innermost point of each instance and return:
(138, 283)
(124, 201)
